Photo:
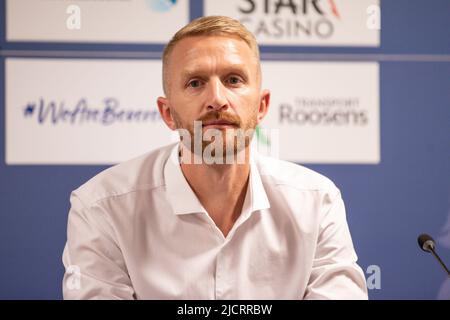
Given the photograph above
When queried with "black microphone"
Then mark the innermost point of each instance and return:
(426, 243)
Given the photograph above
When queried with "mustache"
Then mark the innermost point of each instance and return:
(220, 116)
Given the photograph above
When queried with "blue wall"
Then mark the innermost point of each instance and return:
(388, 204)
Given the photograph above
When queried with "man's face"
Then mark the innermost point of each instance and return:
(216, 80)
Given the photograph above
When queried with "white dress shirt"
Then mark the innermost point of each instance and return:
(138, 231)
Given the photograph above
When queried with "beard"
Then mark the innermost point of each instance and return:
(216, 145)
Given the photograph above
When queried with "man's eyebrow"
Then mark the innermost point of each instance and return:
(203, 72)
(190, 73)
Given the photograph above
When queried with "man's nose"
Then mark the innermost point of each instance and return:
(216, 99)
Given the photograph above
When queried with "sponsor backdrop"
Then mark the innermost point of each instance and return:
(360, 93)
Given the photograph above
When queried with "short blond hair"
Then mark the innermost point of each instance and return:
(210, 26)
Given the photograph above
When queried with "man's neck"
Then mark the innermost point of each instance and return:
(220, 188)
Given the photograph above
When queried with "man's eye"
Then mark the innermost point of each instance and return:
(194, 84)
(234, 80)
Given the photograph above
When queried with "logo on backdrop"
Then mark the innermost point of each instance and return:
(305, 22)
(290, 19)
(161, 5)
(330, 111)
(108, 112)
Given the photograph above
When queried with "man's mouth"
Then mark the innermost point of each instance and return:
(218, 124)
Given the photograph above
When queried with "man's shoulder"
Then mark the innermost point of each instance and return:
(140, 173)
(280, 172)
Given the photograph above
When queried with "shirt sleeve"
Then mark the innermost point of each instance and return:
(335, 274)
(94, 264)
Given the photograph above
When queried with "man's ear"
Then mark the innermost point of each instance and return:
(166, 114)
(264, 102)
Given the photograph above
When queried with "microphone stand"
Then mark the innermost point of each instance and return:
(440, 261)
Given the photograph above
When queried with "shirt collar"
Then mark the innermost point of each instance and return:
(181, 196)
(184, 201)
(258, 196)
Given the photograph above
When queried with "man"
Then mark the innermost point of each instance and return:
(185, 222)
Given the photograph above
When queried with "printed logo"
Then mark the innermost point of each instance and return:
(287, 19)
(161, 5)
(324, 111)
(304, 22)
(107, 113)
